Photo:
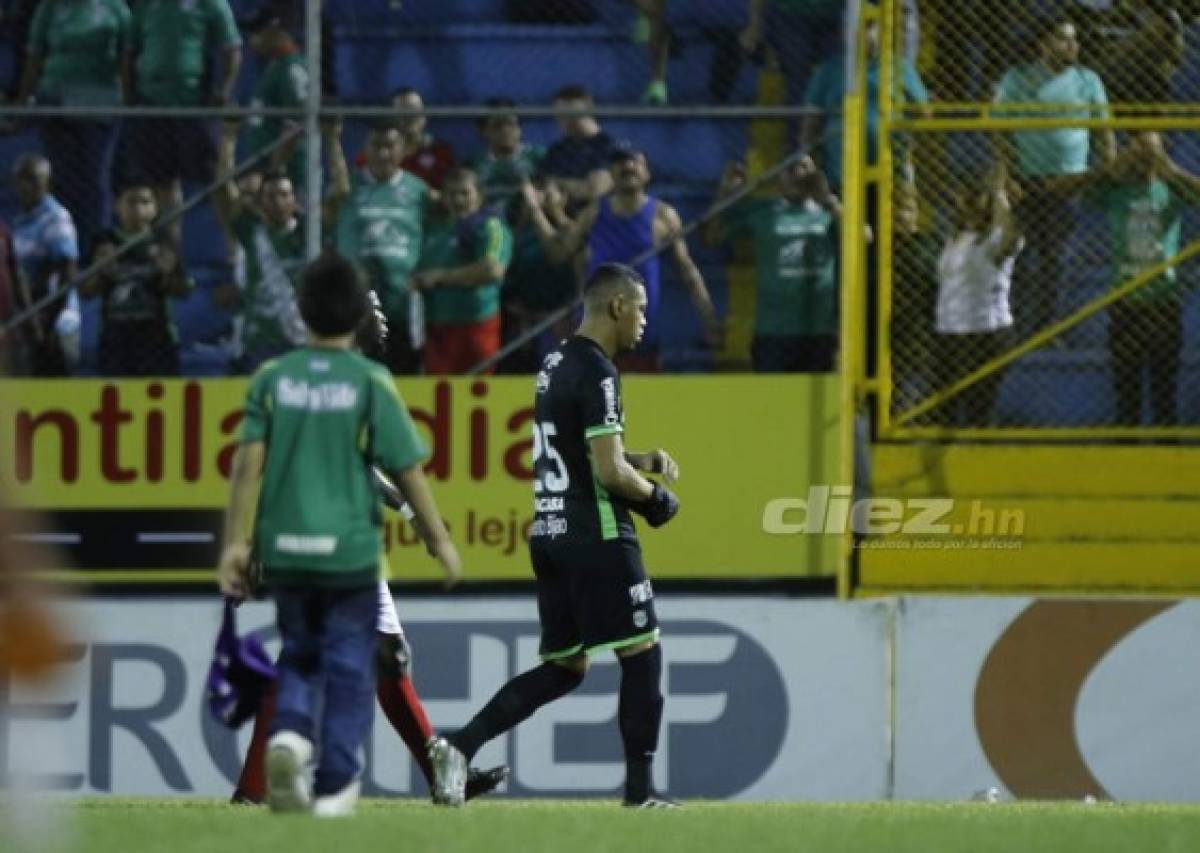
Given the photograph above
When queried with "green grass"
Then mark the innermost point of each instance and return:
(115, 825)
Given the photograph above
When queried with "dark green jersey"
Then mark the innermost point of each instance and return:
(325, 416)
(453, 243)
(283, 83)
(500, 178)
(274, 259)
(577, 397)
(81, 43)
(381, 226)
(133, 293)
(172, 39)
(795, 256)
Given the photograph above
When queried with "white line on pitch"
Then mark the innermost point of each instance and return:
(48, 538)
(180, 538)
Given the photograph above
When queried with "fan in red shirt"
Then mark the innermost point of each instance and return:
(427, 158)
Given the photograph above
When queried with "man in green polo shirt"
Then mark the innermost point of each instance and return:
(463, 263)
(283, 82)
(380, 219)
(795, 251)
(316, 421)
(167, 66)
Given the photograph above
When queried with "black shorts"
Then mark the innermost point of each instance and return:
(592, 597)
(158, 150)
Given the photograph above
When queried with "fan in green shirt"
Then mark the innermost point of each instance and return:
(171, 40)
(795, 254)
(283, 82)
(380, 223)
(507, 162)
(1143, 194)
(75, 52)
(463, 263)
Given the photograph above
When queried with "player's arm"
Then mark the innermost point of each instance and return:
(672, 229)
(428, 521)
(621, 478)
(656, 461)
(235, 551)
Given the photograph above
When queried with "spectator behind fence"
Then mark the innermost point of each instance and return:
(73, 59)
(282, 82)
(535, 286)
(630, 226)
(137, 331)
(47, 250)
(1143, 194)
(463, 261)
(1137, 51)
(801, 33)
(795, 261)
(380, 220)
(1046, 213)
(421, 154)
(973, 316)
(914, 298)
(823, 128)
(168, 67)
(271, 235)
(506, 162)
(578, 160)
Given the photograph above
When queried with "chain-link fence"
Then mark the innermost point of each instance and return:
(1037, 232)
(591, 129)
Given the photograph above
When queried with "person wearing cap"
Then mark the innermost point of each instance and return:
(630, 226)
(283, 82)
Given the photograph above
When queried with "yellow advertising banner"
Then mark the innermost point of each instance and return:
(96, 450)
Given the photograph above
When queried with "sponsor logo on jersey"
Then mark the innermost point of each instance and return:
(609, 386)
(640, 593)
(293, 543)
(326, 396)
(548, 505)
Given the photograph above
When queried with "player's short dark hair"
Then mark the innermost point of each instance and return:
(607, 279)
(573, 92)
(333, 299)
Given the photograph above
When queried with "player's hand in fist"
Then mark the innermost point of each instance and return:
(660, 507)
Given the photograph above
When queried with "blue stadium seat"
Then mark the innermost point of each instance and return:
(710, 13)
(367, 15)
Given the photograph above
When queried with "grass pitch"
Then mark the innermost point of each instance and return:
(119, 825)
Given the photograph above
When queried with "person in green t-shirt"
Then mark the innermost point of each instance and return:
(282, 82)
(463, 262)
(795, 255)
(74, 59)
(379, 221)
(1143, 194)
(316, 421)
(506, 162)
(167, 65)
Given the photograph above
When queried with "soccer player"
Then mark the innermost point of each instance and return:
(315, 420)
(593, 593)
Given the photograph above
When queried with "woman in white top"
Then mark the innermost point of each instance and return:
(973, 313)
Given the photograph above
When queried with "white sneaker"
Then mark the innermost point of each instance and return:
(340, 804)
(449, 773)
(287, 789)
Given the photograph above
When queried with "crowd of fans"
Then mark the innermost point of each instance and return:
(466, 252)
